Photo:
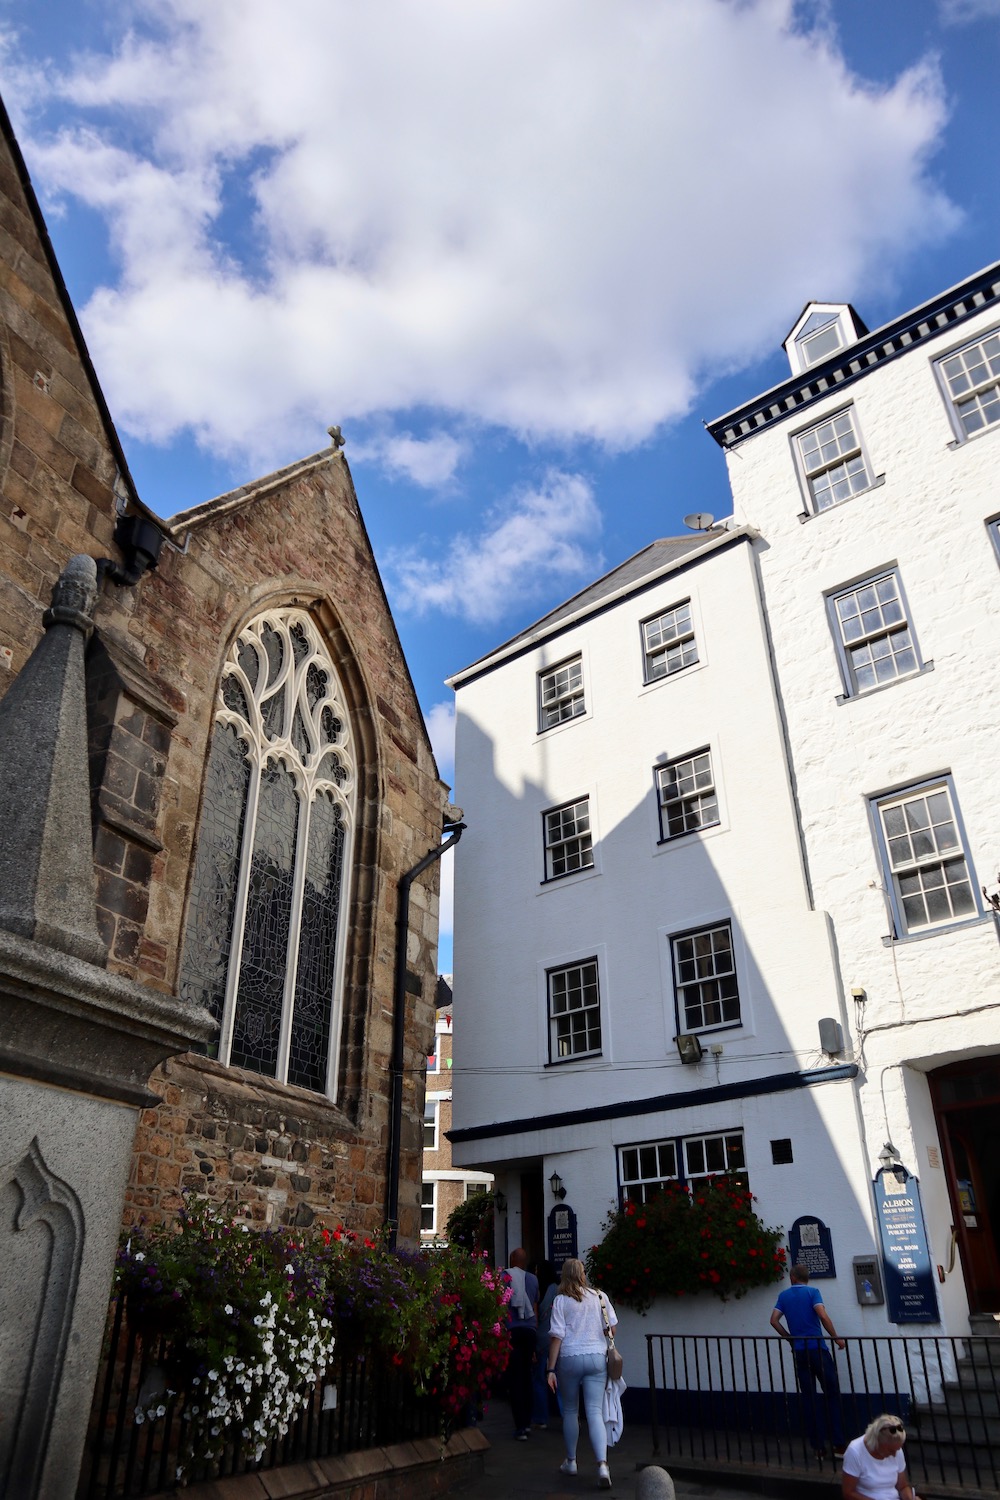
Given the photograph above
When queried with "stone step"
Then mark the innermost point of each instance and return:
(982, 1352)
(985, 1324)
(976, 1377)
(979, 1463)
(972, 1399)
(940, 1424)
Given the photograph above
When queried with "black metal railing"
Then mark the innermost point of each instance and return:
(361, 1403)
(738, 1402)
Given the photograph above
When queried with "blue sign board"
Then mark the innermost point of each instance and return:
(811, 1244)
(562, 1235)
(909, 1276)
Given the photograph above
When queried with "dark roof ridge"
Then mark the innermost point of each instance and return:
(852, 361)
(597, 596)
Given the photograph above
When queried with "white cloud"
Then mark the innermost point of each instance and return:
(528, 215)
(959, 11)
(441, 729)
(535, 542)
(430, 462)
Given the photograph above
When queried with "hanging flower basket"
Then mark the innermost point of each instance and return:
(683, 1242)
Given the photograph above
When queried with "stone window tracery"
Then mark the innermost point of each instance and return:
(266, 931)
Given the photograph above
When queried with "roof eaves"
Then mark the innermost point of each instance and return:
(69, 311)
(247, 494)
(856, 360)
(528, 639)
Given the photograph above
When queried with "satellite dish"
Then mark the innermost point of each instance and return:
(699, 521)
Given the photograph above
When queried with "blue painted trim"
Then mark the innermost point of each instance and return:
(774, 1083)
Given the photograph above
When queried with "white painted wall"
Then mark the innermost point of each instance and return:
(929, 1001)
(934, 999)
(510, 926)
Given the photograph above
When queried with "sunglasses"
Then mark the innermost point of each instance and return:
(894, 1427)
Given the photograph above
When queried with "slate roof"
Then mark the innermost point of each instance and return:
(657, 558)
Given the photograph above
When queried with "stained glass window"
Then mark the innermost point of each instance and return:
(266, 924)
(216, 873)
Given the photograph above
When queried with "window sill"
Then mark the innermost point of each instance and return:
(814, 515)
(679, 838)
(300, 1102)
(890, 939)
(842, 698)
(578, 1057)
(700, 1031)
(971, 437)
(563, 724)
(648, 684)
(570, 877)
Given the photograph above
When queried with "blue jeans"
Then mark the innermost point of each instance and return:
(812, 1365)
(586, 1372)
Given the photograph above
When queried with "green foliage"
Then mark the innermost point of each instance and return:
(470, 1224)
(680, 1243)
(251, 1317)
(247, 1322)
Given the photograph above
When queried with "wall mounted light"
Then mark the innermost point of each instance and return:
(891, 1162)
(557, 1186)
(500, 1199)
(689, 1048)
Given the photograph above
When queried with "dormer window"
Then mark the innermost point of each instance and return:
(820, 336)
(822, 329)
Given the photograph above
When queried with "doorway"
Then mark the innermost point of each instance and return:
(533, 1215)
(967, 1107)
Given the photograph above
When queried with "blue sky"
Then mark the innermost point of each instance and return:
(517, 249)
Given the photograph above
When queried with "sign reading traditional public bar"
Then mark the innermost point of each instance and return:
(562, 1235)
(909, 1277)
(811, 1244)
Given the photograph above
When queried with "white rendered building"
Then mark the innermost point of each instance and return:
(633, 874)
(872, 477)
(741, 786)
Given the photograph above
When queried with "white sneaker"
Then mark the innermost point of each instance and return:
(603, 1477)
(568, 1466)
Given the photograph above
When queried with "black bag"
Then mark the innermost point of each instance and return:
(615, 1362)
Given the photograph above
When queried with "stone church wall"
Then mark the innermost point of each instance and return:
(296, 538)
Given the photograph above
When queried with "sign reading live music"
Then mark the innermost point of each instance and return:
(910, 1293)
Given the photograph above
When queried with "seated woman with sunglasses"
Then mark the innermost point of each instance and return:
(874, 1467)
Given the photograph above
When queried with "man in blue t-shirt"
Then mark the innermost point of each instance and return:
(805, 1317)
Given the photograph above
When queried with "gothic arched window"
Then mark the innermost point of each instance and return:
(266, 930)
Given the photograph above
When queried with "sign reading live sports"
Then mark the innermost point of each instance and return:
(909, 1277)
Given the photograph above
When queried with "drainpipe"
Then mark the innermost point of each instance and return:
(454, 828)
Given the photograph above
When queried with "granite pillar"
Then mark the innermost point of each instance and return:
(77, 1046)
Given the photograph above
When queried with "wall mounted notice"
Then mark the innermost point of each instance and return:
(811, 1244)
(909, 1277)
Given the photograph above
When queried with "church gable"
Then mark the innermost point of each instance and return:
(59, 455)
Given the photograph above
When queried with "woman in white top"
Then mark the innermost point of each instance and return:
(578, 1345)
(874, 1467)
